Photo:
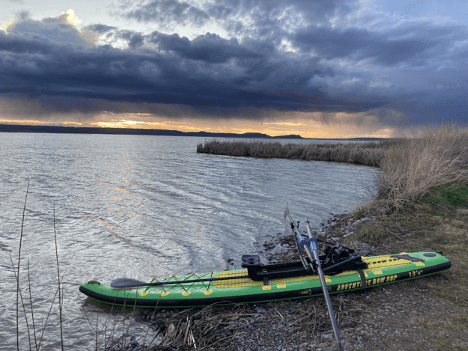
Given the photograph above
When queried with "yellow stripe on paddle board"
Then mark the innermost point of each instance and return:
(375, 265)
(246, 282)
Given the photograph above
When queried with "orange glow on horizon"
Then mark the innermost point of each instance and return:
(120, 124)
(39, 122)
(294, 125)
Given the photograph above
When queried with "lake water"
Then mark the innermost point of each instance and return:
(141, 206)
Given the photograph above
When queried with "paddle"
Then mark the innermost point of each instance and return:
(127, 283)
(310, 247)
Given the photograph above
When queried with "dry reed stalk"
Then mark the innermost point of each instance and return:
(147, 329)
(32, 312)
(96, 328)
(123, 338)
(97, 331)
(17, 275)
(20, 295)
(58, 282)
(47, 319)
(123, 322)
(111, 337)
(23, 305)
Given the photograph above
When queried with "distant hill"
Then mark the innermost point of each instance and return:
(352, 139)
(8, 128)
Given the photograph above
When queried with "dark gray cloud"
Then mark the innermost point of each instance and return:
(209, 48)
(361, 44)
(261, 12)
(99, 28)
(205, 73)
(167, 11)
(282, 56)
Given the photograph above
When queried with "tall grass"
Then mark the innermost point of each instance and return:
(102, 339)
(369, 154)
(412, 171)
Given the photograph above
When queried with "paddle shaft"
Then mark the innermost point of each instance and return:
(312, 252)
(140, 283)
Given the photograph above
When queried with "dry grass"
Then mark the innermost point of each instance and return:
(368, 154)
(411, 170)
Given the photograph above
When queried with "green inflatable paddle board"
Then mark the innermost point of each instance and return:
(237, 286)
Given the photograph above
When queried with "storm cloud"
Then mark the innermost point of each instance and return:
(302, 56)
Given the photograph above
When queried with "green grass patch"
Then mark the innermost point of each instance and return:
(360, 212)
(453, 194)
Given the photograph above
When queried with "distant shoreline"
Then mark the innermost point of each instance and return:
(13, 128)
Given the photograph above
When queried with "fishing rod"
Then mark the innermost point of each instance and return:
(329, 242)
(310, 247)
(297, 237)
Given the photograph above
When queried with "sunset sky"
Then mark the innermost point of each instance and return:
(324, 69)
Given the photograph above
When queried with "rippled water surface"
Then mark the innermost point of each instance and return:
(140, 206)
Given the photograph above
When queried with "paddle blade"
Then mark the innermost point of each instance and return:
(286, 211)
(126, 283)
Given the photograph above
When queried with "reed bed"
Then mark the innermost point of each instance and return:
(368, 154)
